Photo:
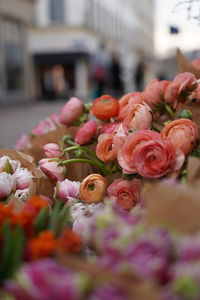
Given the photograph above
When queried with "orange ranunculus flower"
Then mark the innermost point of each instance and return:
(93, 189)
(105, 107)
(127, 101)
(139, 117)
(7, 213)
(70, 241)
(183, 133)
(43, 245)
(108, 146)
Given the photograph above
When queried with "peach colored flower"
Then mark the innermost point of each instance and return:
(139, 117)
(182, 84)
(93, 189)
(127, 101)
(71, 111)
(154, 159)
(126, 193)
(86, 132)
(196, 63)
(108, 146)
(183, 133)
(105, 107)
(126, 154)
(154, 91)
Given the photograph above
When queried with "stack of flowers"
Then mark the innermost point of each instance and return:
(142, 139)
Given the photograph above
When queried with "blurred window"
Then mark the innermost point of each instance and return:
(57, 11)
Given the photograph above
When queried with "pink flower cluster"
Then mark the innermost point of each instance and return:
(14, 179)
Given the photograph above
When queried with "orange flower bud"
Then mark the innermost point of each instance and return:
(93, 188)
(105, 107)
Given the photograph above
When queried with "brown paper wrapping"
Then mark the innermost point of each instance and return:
(38, 181)
(176, 207)
(184, 65)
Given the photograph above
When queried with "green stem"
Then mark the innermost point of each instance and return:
(70, 142)
(54, 159)
(169, 110)
(71, 148)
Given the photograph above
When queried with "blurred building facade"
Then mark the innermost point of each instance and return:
(15, 59)
(69, 32)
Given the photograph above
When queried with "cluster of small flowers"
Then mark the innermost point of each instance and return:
(14, 179)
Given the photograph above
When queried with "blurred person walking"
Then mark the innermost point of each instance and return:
(115, 76)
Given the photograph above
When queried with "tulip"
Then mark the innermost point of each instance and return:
(67, 190)
(52, 170)
(71, 111)
(93, 189)
(7, 184)
(23, 178)
(105, 107)
(23, 142)
(86, 132)
(125, 193)
(52, 150)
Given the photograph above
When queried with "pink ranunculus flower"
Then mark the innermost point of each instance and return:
(23, 178)
(126, 193)
(196, 63)
(71, 111)
(138, 117)
(23, 142)
(127, 152)
(183, 133)
(110, 128)
(127, 101)
(196, 93)
(7, 184)
(155, 158)
(51, 169)
(181, 84)
(86, 132)
(154, 91)
(67, 190)
(52, 150)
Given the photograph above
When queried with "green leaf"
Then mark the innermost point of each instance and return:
(54, 219)
(41, 220)
(7, 168)
(6, 234)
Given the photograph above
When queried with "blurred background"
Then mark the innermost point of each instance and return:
(51, 50)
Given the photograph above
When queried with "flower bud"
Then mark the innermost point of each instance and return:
(93, 189)
(52, 150)
(86, 132)
(52, 169)
(67, 189)
(7, 184)
(71, 111)
(185, 113)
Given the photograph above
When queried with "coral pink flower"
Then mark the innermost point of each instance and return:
(51, 169)
(196, 93)
(126, 154)
(67, 190)
(196, 63)
(126, 193)
(155, 158)
(127, 101)
(154, 91)
(71, 111)
(182, 83)
(108, 146)
(138, 117)
(110, 128)
(52, 150)
(86, 132)
(183, 133)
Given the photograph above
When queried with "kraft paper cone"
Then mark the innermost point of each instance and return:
(194, 107)
(175, 207)
(184, 65)
(193, 170)
(36, 186)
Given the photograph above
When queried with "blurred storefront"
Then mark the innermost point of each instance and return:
(16, 75)
(68, 33)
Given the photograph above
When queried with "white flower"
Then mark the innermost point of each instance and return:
(13, 163)
(23, 178)
(22, 194)
(7, 184)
